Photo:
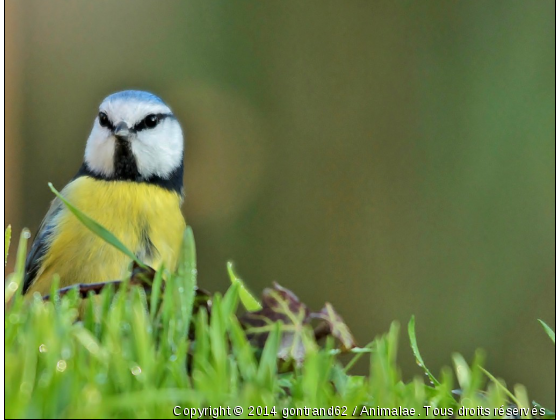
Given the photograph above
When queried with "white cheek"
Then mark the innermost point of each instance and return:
(100, 150)
(159, 151)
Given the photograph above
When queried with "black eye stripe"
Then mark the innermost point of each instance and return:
(143, 126)
(104, 120)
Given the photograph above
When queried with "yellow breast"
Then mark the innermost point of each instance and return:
(145, 217)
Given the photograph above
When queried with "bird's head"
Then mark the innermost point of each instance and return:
(135, 136)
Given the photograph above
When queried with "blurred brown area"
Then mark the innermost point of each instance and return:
(393, 158)
(13, 117)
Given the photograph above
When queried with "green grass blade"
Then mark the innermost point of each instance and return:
(500, 385)
(185, 279)
(549, 331)
(231, 299)
(7, 239)
(187, 257)
(55, 285)
(359, 352)
(268, 364)
(523, 400)
(16, 281)
(463, 373)
(414, 345)
(242, 349)
(96, 228)
(247, 299)
(156, 293)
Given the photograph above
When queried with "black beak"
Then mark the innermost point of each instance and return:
(121, 131)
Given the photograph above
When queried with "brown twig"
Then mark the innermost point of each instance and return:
(84, 289)
(142, 276)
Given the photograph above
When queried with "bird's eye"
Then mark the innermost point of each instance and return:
(151, 121)
(104, 120)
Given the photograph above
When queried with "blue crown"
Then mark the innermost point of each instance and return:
(134, 95)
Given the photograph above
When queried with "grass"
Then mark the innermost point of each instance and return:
(126, 353)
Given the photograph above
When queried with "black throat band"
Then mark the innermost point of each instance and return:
(124, 162)
(126, 170)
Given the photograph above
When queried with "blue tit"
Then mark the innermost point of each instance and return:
(131, 182)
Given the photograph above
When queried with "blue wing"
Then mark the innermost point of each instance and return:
(40, 245)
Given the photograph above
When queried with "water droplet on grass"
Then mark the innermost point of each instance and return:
(61, 365)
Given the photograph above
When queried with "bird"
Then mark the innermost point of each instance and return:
(131, 182)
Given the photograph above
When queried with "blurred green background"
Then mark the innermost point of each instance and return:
(393, 158)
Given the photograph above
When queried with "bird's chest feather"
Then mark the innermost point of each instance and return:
(144, 217)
